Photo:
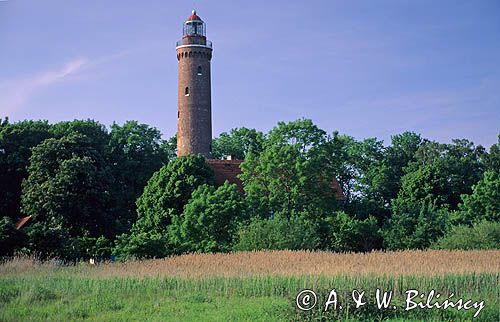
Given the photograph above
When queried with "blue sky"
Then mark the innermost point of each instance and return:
(364, 68)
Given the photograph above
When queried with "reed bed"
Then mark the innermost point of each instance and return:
(245, 286)
(276, 263)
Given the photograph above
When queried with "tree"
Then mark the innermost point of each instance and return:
(168, 190)
(483, 203)
(339, 160)
(135, 154)
(163, 200)
(492, 159)
(414, 225)
(383, 177)
(237, 143)
(66, 193)
(95, 131)
(442, 173)
(370, 171)
(210, 219)
(16, 142)
(289, 175)
(169, 148)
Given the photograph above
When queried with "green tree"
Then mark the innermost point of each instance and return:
(442, 173)
(289, 175)
(168, 190)
(483, 203)
(492, 159)
(339, 160)
(366, 160)
(370, 174)
(169, 148)
(67, 192)
(163, 200)
(209, 220)
(16, 142)
(135, 154)
(237, 143)
(414, 225)
(383, 176)
(95, 131)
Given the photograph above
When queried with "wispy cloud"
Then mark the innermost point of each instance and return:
(15, 92)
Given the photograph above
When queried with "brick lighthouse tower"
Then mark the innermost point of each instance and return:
(194, 116)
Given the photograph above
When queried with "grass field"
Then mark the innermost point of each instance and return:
(259, 286)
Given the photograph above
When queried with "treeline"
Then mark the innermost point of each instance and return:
(94, 192)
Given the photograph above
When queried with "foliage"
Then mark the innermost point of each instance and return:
(163, 199)
(169, 148)
(237, 143)
(442, 173)
(483, 203)
(278, 232)
(414, 225)
(209, 220)
(354, 235)
(141, 245)
(135, 154)
(67, 190)
(491, 160)
(16, 142)
(168, 190)
(380, 175)
(482, 235)
(289, 174)
(84, 186)
(93, 130)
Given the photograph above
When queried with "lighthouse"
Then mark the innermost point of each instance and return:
(194, 105)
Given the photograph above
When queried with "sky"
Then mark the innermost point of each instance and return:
(363, 68)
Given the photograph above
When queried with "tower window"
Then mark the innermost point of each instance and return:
(186, 91)
(199, 71)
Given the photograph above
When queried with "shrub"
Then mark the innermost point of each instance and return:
(278, 232)
(141, 245)
(483, 235)
(209, 220)
(351, 234)
(414, 225)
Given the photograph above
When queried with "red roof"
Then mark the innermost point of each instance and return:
(21, 222)
(230, 169)
(193, 16)
(226, 170)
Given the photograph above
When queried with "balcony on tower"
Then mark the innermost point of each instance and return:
(194, 33)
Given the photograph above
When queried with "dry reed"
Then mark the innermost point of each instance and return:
(277, 263)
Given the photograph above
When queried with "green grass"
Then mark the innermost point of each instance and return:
(61, 296)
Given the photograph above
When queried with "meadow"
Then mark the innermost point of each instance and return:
(247, 286)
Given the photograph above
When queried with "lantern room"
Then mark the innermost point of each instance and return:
(194, 26)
